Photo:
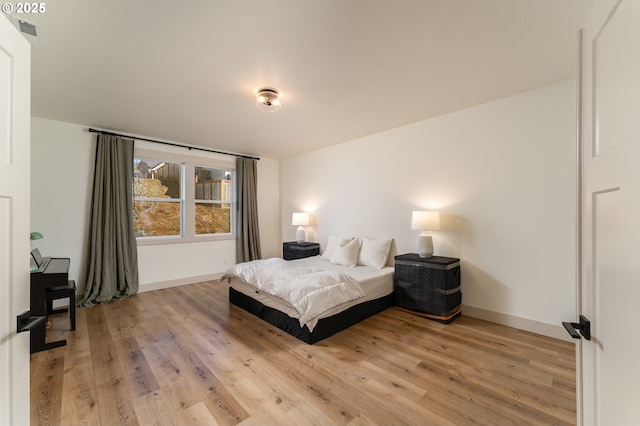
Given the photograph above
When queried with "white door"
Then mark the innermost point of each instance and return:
(609, 364)
(15, 69)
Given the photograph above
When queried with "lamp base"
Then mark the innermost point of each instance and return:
(301, 236)
(425, 246)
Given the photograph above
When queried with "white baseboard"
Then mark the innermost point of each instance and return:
(545, 329)
(178, 282)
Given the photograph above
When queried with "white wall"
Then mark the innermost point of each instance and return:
(62, 158)
(502, 174)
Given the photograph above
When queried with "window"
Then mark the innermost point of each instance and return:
(168, 207)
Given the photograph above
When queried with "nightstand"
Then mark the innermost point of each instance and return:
(429, 287)
(292, 250)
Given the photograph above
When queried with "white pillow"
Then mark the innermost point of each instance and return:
(333, 243)
(346, 255)
(374, 252)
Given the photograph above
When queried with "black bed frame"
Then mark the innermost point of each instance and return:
(326, 326)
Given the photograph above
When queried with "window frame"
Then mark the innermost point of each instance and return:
(188, 219)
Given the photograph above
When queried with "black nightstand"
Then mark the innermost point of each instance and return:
(429, 287)
(292, 250)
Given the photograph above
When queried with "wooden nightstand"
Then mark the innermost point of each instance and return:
(292, 250)
(429, 287)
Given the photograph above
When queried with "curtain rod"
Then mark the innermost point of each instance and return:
(104, 132)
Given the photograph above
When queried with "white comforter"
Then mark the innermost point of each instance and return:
(310, 291)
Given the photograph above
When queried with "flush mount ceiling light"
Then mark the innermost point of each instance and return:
(268, 99)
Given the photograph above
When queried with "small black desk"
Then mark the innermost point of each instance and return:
(53, 273)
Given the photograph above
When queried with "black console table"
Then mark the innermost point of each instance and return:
(52, 272)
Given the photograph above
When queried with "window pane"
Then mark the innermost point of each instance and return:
(153, 181)
(213, 218)
(213, 184)
(157, 179)
(157, 218)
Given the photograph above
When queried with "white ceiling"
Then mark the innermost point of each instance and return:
(187, 71)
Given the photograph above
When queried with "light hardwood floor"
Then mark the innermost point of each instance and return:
(184, 356)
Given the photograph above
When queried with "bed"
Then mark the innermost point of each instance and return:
(370, 273)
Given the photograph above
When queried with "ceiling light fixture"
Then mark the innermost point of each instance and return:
(268, 99)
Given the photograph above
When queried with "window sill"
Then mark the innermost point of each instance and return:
(153, 241)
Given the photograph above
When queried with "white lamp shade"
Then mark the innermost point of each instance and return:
(299, 219)
(425, 220)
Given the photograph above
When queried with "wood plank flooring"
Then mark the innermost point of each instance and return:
(183, 356)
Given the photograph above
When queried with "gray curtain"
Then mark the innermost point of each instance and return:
(112, 271)
(247, 231)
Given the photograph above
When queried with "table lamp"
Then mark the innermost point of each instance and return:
(425, 221)
(300, 220)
